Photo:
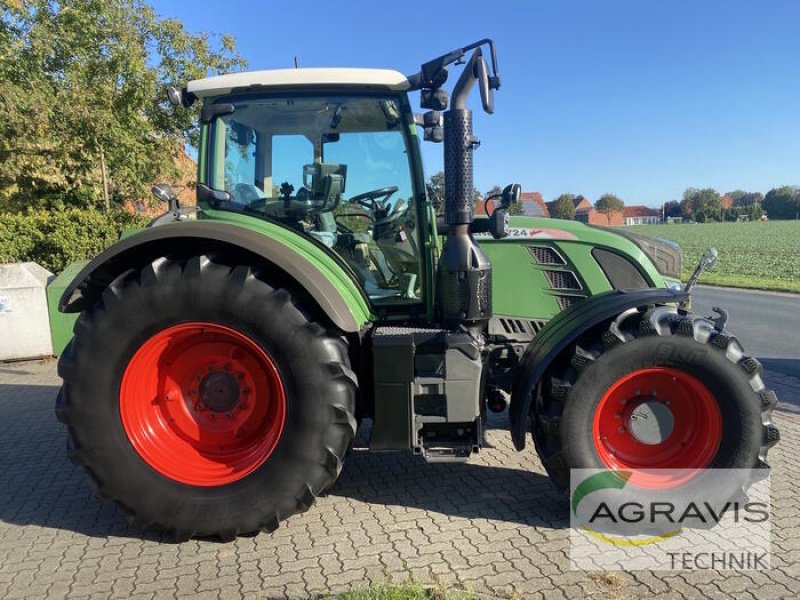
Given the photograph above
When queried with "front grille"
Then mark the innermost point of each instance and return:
(545, 255)
(562, 280)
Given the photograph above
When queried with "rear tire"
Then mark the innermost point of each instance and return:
(579, 420)
(224, 468)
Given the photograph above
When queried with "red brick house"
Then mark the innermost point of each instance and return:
(533, 205)
(531, 202)
(586, 213)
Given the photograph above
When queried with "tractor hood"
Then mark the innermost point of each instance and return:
(665, 254)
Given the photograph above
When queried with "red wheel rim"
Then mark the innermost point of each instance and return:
(685, 405)
(202, 404)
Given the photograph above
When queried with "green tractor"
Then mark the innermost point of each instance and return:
(217, 363)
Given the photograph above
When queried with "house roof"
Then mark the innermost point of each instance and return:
(640, 211)
(533, 205)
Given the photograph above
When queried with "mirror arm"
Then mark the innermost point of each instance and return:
(433, 73)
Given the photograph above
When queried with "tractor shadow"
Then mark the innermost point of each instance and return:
(499, 484)
(40, 487)
(38, 484)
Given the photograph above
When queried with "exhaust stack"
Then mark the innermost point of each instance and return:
(464, 274)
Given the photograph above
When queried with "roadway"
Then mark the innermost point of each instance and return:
(767, 323)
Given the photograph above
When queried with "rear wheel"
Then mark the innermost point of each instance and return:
(204, 401)
(654, 390)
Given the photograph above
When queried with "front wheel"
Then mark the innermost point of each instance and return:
(654, 390)
(204, 401)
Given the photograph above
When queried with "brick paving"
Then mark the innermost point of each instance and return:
(493, 526)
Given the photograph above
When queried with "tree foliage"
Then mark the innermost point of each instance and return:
(701, 204)
(436, 192)
(83, 92)
(563, 207)
(672, 208)
(608, 203)
(783, 202)
(743, 199)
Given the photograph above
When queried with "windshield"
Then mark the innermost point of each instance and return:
(333, 167)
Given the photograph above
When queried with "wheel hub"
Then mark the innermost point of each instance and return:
(657, 418)
(651, 422)
(202, 404)
(219, 391)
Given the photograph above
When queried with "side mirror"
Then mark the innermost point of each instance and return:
(482, 75)
(174, 95)
(709, 258)
(162, 191)
(511, 194)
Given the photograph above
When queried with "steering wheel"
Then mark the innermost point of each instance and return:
(375, 198)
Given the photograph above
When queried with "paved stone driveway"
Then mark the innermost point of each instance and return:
(493, 526)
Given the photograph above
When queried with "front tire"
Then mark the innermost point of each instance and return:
(708, 398)
(204, 401)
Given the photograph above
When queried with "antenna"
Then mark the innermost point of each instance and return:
(296, 63)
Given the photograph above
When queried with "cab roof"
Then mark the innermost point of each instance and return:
(384, 79)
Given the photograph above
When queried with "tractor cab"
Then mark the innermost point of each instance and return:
(340, 166)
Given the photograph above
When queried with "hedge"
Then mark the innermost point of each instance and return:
(55, 238)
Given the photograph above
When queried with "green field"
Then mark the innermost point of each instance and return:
(751, 255)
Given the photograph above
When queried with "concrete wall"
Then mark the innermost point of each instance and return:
(24, 323)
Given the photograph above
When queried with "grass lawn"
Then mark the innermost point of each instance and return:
(751, 255)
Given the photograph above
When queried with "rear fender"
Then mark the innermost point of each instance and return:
(562, 331)
(319, 275)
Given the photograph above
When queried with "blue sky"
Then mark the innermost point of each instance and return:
(640, 98)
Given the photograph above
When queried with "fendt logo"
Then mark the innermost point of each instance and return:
(669, 520)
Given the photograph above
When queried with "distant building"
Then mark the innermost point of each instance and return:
(533, 205)
(586, 213)
(641, 215)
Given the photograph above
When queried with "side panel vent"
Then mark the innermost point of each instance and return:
(563, 280)
(566, 301)
(545, 255)
(509, 328)
(520, 326)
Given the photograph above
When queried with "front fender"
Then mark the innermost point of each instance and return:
(563, 330)
(311, 268)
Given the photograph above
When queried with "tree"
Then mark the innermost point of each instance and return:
(436, 192)
(782, 202)
(672, 209)
(608, 203)
(742, 199)
(563, 207)
(83, 111)
(702, 204)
